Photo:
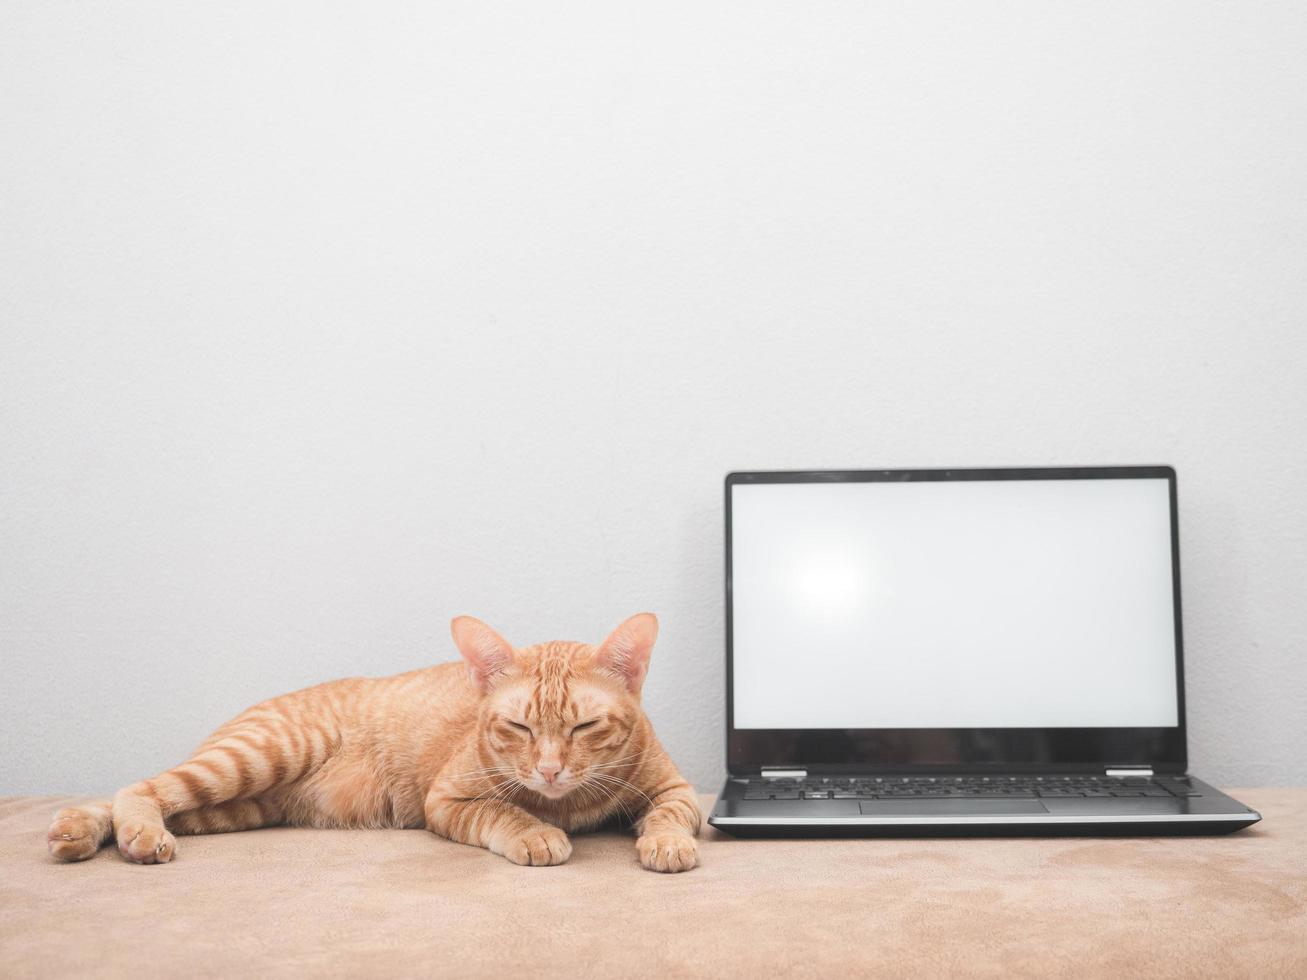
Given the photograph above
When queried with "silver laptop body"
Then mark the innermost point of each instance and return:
(958, 652)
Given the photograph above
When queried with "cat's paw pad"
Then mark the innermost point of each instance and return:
(74, 835)
(667, 852)
(146, 843)
(547, 845)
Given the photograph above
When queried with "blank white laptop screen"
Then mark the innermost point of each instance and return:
(961, 604)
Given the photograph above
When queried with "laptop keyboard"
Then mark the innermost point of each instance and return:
(964, 787)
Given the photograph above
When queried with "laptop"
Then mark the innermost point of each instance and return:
(958, 652)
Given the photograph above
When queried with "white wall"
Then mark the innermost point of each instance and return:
(321, 323)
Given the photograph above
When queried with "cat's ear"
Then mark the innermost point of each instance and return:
(488, 654)
(626, 651)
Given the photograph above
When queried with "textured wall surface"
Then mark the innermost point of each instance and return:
(323, 323)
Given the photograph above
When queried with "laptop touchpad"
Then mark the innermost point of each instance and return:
(948, 808)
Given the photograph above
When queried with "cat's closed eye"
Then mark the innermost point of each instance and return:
(584, 725)
(521, 727)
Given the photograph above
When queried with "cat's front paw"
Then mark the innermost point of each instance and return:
(542, 846)
(146, 843)
(667, 852)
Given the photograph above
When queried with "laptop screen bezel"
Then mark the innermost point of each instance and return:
(837, 750)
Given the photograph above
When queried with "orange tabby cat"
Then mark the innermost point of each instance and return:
(509, 751)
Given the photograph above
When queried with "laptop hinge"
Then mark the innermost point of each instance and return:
(784, 773)
(1129, 770)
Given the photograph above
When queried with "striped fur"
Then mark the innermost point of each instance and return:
(510, 750)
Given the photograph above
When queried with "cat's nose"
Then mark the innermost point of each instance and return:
(549, 770)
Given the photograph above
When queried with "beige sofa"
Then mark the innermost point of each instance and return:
(303, 903)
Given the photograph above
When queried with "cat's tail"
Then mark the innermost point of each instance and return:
(77, 832)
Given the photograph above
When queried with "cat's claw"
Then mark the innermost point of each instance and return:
(146, 844)
(538, 848)
(73, 836)
(667, 852)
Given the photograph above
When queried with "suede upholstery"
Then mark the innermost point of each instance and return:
(302, 903)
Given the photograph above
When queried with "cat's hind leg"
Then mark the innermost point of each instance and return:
(77, 832)
(228, 817)
(236, 764)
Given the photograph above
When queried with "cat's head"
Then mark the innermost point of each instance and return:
(555, 715)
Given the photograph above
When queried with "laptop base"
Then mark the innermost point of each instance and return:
(1207, 812)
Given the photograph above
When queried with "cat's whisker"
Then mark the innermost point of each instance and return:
(612, 791)
(624, 760)
(601, 803)
(586, 793)
(494, 786)
(606, 795)
(483, 773)
(628, 814)
(498, 795)
(490, 769)
(593, 801)
(494, 789)
(615, 772)
(623, 784)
